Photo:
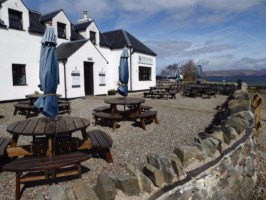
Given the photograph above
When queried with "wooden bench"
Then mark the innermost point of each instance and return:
(46, 164)
(108, 116)
(142, 107)
(4, 142)
(147, 116)
(64, 107)
(160, 94)
(189, 92)
(25, 108)
(102, 109)
(101, 143)
(210, 93)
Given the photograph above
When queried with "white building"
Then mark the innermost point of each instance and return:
(88, 59)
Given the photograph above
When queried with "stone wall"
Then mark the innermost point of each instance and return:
(218, 164)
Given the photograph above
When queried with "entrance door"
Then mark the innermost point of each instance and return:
(88, 78)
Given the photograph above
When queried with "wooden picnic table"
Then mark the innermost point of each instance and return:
(42, 126)
(125, 101)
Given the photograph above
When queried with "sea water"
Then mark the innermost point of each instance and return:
(250, 80)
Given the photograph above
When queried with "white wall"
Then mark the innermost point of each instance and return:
(76, 62)
(61, 17)
(136, 83)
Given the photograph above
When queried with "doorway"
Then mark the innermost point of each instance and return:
(88, 78)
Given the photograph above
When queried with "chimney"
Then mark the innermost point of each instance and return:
(85, 15)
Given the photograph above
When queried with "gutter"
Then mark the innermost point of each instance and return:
(64, 63)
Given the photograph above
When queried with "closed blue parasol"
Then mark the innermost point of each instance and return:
(199, 69)
(47, 104)
(123, 73)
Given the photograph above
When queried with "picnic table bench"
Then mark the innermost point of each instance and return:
(25, 108)
(101, 143)
(115, 117)
(46, 164)
(160, 94)
(147, 116)
(4, 142)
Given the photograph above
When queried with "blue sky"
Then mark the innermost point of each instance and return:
(218, 34)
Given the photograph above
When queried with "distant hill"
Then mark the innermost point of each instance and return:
(232, 73)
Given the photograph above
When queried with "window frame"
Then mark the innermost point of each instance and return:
(94, 34)
(59, 30)
(18, 71)
(13, 22)
(143, 74)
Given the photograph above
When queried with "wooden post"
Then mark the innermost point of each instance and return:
(257, 102)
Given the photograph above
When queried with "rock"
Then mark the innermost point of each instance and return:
(213, 144)
(83, 192)
(188, 154)
(163, 164)
(218, 134)
(235, 106)
(69, 192)
(237, 123)
(176, 163)
(155, 175)
(246, 115)
(202, 146)
(105, 188)
(39, 196)
(56, 192)
(241, 95)
(127, 183)
(145, 183)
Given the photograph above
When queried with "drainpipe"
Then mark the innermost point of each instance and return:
(64, 63)
(131, 52)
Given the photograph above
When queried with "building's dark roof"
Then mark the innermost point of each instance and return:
(35, 25)
(103, 41)
(2, 23)
(66, 49)
(82, 26)
(49, 16)
(75, 35)
(119, 38)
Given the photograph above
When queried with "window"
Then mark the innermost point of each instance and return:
(19, 75)
(61, 30)
(93, 37)
(144, 73)
(15, 19)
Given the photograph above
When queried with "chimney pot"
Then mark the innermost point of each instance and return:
(85, 15)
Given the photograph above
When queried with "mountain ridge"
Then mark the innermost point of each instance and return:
(238, 72)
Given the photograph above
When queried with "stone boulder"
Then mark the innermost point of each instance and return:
(240, 95)
(237, 123)
(154, 174)
(176, 163)
(56, 192)
(235, 106)
(145, 183)
(105, 188)
(188, 154)
(164, 164)
(127, 183)
(246, 115)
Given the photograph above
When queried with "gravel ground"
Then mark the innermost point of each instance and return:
(180, 120)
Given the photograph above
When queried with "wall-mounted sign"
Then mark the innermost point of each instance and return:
(75, 74)
(145, 60)
(101, 78)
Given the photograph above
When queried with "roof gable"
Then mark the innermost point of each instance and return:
(65, 50)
